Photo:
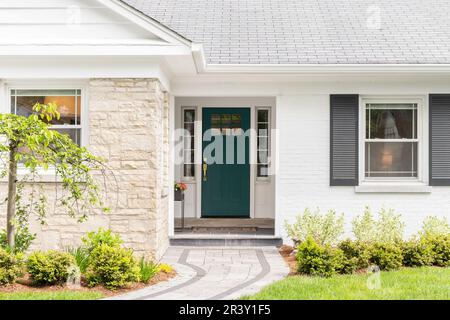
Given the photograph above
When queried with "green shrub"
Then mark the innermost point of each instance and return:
(22, 239)
(165, 268)
(317, 260)
(112, 266)
(440, 246)
(11, 267)
(417, 253)
(357, 254)
(387, 256)
(97, 238)
(388, 228)
(325, 229)
(81, 256)
(50, 267)
(435, 226)
(364, 227)
(148, 270)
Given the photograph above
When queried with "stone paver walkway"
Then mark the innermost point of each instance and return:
(215, 273)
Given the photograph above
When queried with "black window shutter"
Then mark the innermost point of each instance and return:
(439, 105)
(344, 138)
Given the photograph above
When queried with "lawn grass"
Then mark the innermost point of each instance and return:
(405, 284)
(52, 295)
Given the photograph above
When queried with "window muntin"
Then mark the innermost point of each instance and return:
(69, 106)
(263, 141)
(391, 140)
(189, 117)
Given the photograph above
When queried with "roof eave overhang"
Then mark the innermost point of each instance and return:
(325, 68)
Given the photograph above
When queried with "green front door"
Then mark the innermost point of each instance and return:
(226, 165)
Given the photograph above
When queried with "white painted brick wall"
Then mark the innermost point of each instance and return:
(303, 176)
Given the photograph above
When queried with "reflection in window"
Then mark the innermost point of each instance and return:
(263, 136)
(189, 142)
(391, 140)
(226, 124)
(69, 107)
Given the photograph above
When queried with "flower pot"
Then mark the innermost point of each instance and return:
(179, 195)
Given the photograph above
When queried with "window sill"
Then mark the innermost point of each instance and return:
(393, 187)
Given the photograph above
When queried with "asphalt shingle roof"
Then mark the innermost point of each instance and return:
(310, 31)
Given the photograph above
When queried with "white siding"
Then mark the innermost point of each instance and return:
(64, 20)
(304, 169)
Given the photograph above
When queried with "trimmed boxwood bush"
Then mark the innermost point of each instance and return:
(417, 253)
(11, 267)
(317, 260)
(112, 266)
(440, 246)
(50, 267)
(357, 254)
(387, 256)
(94, 239)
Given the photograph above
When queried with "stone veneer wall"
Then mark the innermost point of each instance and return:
(129, 127)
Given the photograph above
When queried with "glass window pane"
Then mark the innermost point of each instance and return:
(263, 129)
(215, 121)
(396, 121)
(189, 127)
(189, 143)
(391, 159)
(78, 117)
(188, 156)
(236, 121)
(226, 121)
(263, 115)
(74, 134)
(263, 170)
(69, 111)
(262, 143)
(189, 170)
(262, 157)
(25, 105)
(66, 108)
(189, 115)
(40, 92)
(13, 105)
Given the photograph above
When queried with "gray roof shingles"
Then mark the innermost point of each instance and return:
(310, 31)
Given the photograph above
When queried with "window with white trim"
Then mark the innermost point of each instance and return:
(189, 117)
(263, 141)
(391, 140)
(68, 102)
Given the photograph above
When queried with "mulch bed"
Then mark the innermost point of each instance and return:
(25, 285)
(287, 252)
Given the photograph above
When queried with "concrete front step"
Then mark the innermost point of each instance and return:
(225, 241)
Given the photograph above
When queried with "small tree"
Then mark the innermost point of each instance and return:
(30, 142)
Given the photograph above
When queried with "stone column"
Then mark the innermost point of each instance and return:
(128, 127)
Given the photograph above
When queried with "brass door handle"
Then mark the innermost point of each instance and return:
(205, 170)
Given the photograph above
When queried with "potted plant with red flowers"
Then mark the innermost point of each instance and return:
(179, 191)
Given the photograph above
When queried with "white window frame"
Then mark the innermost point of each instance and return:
(421, 111)
(269, 142)
(183, 109)
(49, 174)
